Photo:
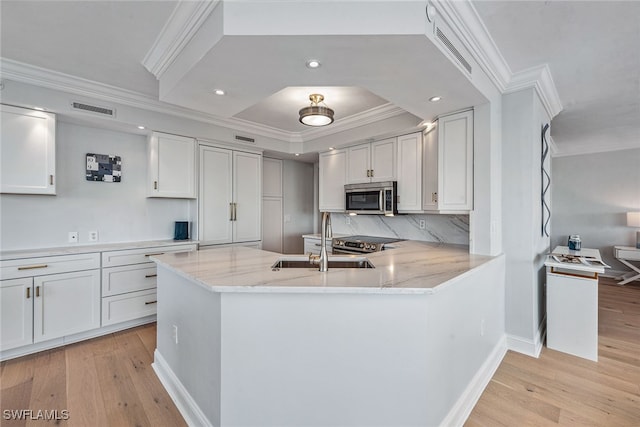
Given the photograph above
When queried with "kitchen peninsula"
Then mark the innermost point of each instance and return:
(412, 341)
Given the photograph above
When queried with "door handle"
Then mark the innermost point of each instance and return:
(150, 302)
(28, 293)
(37, 291)
(150, 275)
(50, 179)
(155, 185)
(231, 211)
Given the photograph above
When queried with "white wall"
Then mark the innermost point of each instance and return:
(591, 194)
(524, 246)
(120, 212)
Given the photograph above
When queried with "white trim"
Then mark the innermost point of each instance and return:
(184, 22)
(527, 346)
(188, 407)
(70, 339)
(539, 78)
(594, 149)
(553, 147)
(460, 411)
(465, 22)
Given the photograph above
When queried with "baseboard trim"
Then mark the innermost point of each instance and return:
(188, 408)
(527, 346)
(461, 410)
(70, 339)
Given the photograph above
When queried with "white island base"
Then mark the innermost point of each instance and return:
(328, 357)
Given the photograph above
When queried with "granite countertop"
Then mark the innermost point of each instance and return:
(85, 249)
(410, 267)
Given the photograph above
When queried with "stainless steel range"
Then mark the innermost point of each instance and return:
(360, 244)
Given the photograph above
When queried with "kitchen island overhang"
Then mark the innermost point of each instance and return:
(339, 348)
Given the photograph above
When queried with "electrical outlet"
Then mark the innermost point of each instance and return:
(73, 237)
(423, 224)
(347, 220)
(175, 333)
(93, 236)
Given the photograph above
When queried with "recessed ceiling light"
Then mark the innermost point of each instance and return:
(313, 63)
(331, 148)
(141, 127)
(38, 108)
(435, 98)
(218, 92)
(297, 154)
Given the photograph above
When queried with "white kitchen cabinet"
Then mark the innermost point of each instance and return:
(229, 208)
(448, 165)
(409, 169)
(172, 166)
(16, 313)
(129, 281)
(27, 151)
(312, 245)
(332, 177)
(65, 304)
(372, 162)
(272, 205)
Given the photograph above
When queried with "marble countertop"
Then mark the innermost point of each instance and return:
(85, 249)
(410, 267)
(317, 236)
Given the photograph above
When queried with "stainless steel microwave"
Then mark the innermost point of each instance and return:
(373, 198)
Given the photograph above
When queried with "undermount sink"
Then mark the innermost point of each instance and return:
(302, 261)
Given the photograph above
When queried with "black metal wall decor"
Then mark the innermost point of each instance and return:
(103, 167)
(546, 182)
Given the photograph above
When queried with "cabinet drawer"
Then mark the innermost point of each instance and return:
(120, 308)
(140, 256)
(30, 267)
(128, 278)
(628, 254)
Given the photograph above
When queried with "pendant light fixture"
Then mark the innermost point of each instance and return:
(316, 115)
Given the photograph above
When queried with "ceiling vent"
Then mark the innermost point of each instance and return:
(451, 48)
(103, 111)
(245, 139)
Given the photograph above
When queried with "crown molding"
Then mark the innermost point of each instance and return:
(540, 79)
(184, 22)
(464, 20)
(594, 149)
(29, 74)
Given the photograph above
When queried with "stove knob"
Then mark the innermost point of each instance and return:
(361, 245)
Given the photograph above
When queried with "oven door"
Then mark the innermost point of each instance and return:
(364, 201)
(345, 251)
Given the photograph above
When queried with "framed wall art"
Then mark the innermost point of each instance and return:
(104, 167)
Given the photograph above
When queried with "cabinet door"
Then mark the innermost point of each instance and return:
(430, 170)
(455, 157)
(410, 172)
(172, 161)
(16, 313)
(332, 177)
(272, 224)
(247, 196)
(359, 164)
(272, 170)
(215, 207)
(27, 151)
(66, 304)
(383, 160)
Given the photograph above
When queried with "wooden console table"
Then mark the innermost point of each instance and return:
(625, 254)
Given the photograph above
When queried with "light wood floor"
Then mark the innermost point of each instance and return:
(108, 381)
(560, 389)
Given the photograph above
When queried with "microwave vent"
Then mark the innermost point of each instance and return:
(111, 112)
(454, 51)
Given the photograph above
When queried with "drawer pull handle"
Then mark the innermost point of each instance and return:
(155, 185)
(318, 244)
(150, 275)
(28, 293)
(159, 253)
(33, 267)
(150, 302)
(37, 291)
(50, 179)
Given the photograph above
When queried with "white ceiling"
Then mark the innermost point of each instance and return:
(591, 48)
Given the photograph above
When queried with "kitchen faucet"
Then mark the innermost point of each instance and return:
(325, 233)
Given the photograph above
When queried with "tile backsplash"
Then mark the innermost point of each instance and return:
(437, 228)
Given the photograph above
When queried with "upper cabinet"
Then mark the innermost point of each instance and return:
(448, 165)
(409, 168)
(27, 151)
(372, 162)
(332, 176)
(172, 166)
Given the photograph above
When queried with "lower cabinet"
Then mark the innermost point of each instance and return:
(313, 244)
(65, 304)
(133, 305)
(16, 313)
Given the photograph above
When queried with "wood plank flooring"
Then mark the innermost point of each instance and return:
(108, 381)
(560, 389)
